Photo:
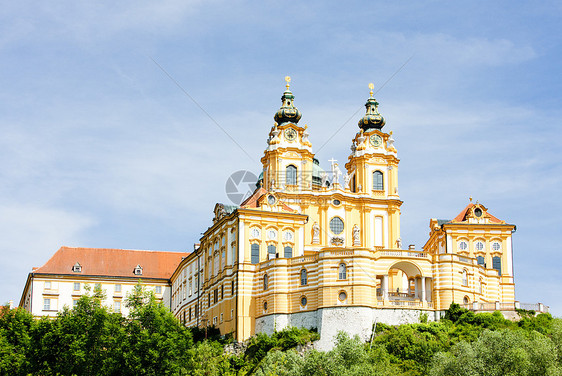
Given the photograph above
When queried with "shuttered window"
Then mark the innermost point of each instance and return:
(497, 264)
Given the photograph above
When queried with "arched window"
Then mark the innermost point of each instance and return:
(304, 277)
(378, 184)
(466, 300)
(342, 271)
(288, 252)
(480, 286)
(265, 282)
(336, 225)
(497, 264)
(291, 178)
(255, 249)
(464, 278)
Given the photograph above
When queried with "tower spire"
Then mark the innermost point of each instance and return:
(288, 113)
(372, 118)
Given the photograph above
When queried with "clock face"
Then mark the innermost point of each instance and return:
(290, 134)
(376, 140)
(271, 200)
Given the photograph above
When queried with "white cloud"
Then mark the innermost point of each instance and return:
(30, 236)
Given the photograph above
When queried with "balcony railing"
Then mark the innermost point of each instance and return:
(501, 306)
(400, 253)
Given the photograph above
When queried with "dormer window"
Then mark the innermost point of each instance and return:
(77, 268)
(138, 270)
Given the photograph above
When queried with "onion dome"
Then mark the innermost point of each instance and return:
(288, 112)
(372, 118)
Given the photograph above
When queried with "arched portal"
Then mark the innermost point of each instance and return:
(405, 284)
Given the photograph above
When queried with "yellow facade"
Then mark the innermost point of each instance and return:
(311, 247)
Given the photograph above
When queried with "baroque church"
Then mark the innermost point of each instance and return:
(318, 249)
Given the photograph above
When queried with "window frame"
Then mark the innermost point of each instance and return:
(342, 272)
(290, 251)
(291, 175)
(255, 253)
(303, 277)
(378, 180)
(333, 224)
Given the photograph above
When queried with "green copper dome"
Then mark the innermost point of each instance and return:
(372, 118)
(288, 113)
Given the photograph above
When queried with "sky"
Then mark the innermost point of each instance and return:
(120, 122)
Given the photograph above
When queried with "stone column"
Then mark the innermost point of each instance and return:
(423, 289)
(416, 291)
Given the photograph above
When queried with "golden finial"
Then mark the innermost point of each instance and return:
(470, 198)
(371, 86)
(287, 79)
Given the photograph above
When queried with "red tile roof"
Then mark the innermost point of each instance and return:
(113, 262)
(462, 215)
(253, 201)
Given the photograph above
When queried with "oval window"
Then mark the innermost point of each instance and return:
(303, 301)
(336, 225)
(342, 296)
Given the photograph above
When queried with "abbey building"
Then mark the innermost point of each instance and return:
(322, 248)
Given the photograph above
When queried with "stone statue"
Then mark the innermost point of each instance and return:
(356, 235)
(336, 172)
(305, 135)
(275, 132)
(324, 178)
(346, 179)
(315, 233)
(399, 243)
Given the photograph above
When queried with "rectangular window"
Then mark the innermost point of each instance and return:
(215, 295)
(158, 289)
(288, 252)
(97, 286)
(189, 313)
(117, 306)
(255, 253)
(271, 251)
(76, 286)
(480, 260)
(215, 320)
(47, 285)
(232, 288)
(46, 304)
(497, 264)
(117, 288)
(74, 303)
(231, 314)
(222, 317)
(222, 292)
(196, 310)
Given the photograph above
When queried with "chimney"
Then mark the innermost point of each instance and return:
(412, 247)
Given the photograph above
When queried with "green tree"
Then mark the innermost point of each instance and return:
(157, 343)
(498, 353)
(15, 340)
(84, 340)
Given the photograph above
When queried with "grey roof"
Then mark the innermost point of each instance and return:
(230, 208)
(442, 221)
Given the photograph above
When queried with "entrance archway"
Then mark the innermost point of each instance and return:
(405, 282)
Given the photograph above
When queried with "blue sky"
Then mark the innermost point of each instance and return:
(99, 148)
